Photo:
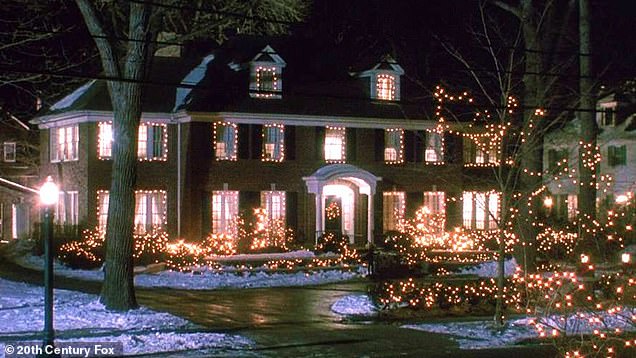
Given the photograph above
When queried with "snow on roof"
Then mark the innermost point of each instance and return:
(191, 79)
(70, 99)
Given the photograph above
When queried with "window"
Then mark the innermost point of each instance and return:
(224, 211)
(385, 87)
(152, 141)
(606, 116)
(394, 146)
(266, 82)
(481, 152)
(66, 211)
(274, 204)
(273, 142)
(150, 210)
(557, 159)
(573, 201)
(64, 143)
(393, 209)
(617, 155)
(225, 141)
(481, 210)
(335, 144)
(435, 201)
(9, 151)
(434, 148)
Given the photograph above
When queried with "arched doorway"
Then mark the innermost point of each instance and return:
(335, 187)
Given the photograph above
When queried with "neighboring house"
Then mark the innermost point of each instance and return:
(616, 173)
(241, 128)
(19, 158)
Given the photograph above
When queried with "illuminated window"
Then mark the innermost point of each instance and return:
(394, 146)
(385, 87)
(573, 201)
(225, 141)
(606, 116)
(483, 151)
(9, 151)
(273, 142)
(616, 155)
(335, 142)
(151, 143)
(481, 210)
(266, 82)
(393, 209)
(224, 211)
(274, 204)
(433, 152)
(66, 211)
(150, 210)
(64, 143)
(435, 201)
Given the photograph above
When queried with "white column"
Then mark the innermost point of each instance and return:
(319, 213)
(370, 217)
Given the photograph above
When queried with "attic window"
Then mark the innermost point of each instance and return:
(266, 82)
(385, 87)
(607, 117)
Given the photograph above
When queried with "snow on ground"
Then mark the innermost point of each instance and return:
(489, 269)
(354, 305)
(477, 335)
(141, 331)
(208, 279)
(298, 254)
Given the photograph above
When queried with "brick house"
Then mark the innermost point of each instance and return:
(18, 168)
(240, 128)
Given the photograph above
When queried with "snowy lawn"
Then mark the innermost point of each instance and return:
(355, 305)
(204, 279)
(79, 317)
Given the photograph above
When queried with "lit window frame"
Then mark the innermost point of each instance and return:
(274, 202)
(393, 209)
(385, 87)
(225, 154)
(434, 153)
(64, 144)
(273, 143)
(270, 89)
(225, 204)
(330, 148)
(394, 146)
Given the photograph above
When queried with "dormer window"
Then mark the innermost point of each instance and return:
(385, 87)
(606, 117)
(266, 70)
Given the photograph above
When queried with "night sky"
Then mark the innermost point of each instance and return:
(337, 33)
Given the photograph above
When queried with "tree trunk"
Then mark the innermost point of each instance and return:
(587, 179)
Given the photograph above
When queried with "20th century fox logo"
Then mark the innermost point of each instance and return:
(67, 349)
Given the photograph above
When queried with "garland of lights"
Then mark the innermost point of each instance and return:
(217, 141)
(105, 140)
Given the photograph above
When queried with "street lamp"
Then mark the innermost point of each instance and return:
(49, 195)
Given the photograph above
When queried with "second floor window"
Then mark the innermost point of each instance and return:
(152, 141)
(335, 144)
(9, 151)
(64, 143)
(480, 152)
(393, 209)
(616, 155)
(225, 141)
(394, 146)
(224, 211)
(434, 148)
(273, 142)
(385, 87)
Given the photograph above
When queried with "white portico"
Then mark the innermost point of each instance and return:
(341, 182)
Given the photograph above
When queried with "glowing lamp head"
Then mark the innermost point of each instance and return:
(49, 192)
(585, 259)
(626, 257)
(622, 199)
(548, 202)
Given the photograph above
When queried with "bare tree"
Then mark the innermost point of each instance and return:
(125, 35)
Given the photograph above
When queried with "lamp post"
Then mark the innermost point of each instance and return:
(49, 195)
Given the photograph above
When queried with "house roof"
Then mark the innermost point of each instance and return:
(219, 82)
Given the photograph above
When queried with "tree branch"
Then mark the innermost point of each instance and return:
(96, 28)
(507, 7)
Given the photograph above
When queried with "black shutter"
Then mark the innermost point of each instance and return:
(414, 201)
(256, 138)
(248, 201)
(378, 217)
(351, 144)
(409, 146)
(379, 145)
(453, 148)
(291, 210)
(206, 212)
(244, 141)
(320, 143)
(420, 138)
(290, 142)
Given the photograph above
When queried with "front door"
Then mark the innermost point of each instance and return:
(333, 214)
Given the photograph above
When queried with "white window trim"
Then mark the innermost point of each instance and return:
(54, 144)
(330, 149)
(233, 155)
(227, 197)
(394, 152)
(12, 145)
(270, 149)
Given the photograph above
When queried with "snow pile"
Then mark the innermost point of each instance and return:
(354, 305)
(489, 269)
(81, 316)
(208, 279)
(72, 97)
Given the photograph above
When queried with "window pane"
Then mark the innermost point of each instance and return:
(224, 211)
(467, 213)
(142, 142)
(433, 152)
(274, 204)
(102, 209)
(335, 144)
(225, 141)
(393, 209)
(393, 145)
(9, 152)
(273, 142)
(105, 140)
(385, 87)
